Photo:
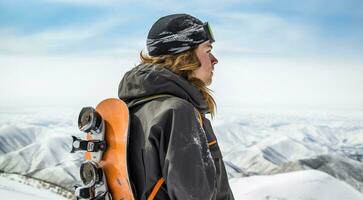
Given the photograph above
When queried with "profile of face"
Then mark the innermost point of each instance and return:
(207, 61)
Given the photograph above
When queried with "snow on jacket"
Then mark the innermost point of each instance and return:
(170, 138)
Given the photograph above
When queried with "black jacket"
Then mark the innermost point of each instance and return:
(170, 138)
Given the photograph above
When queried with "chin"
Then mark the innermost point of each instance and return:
(208, 83)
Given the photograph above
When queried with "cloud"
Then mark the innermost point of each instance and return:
(323, 8)
(288, 83)
(256, 33)
(163, 4)
(267, 34)
(60, 80)
(85, 2)
(69, 39)
(265, 55)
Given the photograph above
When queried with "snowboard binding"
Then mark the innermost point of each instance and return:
(93, 179)
(90, 121)
(104, 172)
(89, 193)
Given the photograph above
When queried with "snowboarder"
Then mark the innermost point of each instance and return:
(172, 150)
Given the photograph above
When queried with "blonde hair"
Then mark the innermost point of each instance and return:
(183, 64)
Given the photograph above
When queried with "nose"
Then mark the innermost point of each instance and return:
(213, 59)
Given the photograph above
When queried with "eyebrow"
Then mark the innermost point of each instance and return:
(209, 45)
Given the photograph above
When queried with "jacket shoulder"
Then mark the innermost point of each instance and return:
(178, 105)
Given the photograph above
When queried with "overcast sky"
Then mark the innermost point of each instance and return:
(289, 54)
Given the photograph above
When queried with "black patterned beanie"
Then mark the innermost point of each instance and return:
(173, 34)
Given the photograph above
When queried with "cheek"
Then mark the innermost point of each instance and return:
(205, 62)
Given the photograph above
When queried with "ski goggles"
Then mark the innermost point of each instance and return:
(208, 31)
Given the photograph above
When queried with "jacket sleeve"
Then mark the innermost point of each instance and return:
(188, 167)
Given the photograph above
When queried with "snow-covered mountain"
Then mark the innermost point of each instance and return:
(263, 144)
(37, 143)
(38, 152)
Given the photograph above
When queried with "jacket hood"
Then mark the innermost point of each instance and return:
(146, 80)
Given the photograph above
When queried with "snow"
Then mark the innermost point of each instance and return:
(268, 155)
(260, 142)
(14, 190)
(301, 185)
(40, 152)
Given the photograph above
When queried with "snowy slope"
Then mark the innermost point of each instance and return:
(348, 170)
(301, 185)
(12, 187)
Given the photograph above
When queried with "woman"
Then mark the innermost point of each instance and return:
(173, 152)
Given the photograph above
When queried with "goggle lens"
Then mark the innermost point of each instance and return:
(209, 32)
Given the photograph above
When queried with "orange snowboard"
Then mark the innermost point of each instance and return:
(114, 160)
